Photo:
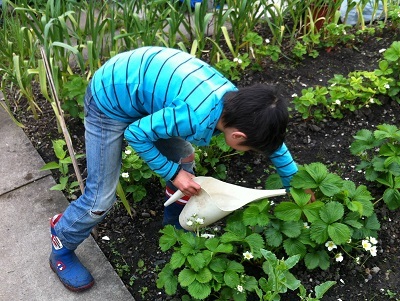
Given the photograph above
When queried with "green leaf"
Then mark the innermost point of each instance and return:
(231, 279)
(317, 259)
(196, 261)
(331, 185)
(292, 229)
(317, 171)
(177, 260)
(273, 237)
(364, 140)
(237, 228)
(311, 211)
(218, 264)
(255, 242)
(303, 180)
(214, 245)
(294, 246)
(392, 198)
(204, 275)
(339, 233)
(61, 186)
(235, 267)
(168, 239)
(290, 281)
(186, 277)
(50, 165)
(167, 280)
(321, 289)
(199, 290)
(58, 146)
(386, 131)
(319, 232)
(331, 212)
(300, 197)
(288, 211)
(274, 181)
(253, 216)
(228, 237)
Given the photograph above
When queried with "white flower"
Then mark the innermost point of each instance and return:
(267, 41)
(247, 255)
(294, 95)
(357, 260)
(382, 50)
(338, 102)
(371, 100)
(366, 245)
(330, 245)
(339, 257)
(205, 235)
(200, 221)
(305, 225)
(387, 86)
(125, 175)
(240, 288)
(373, 240)
(189, 223)
(373, 251)
(128, 151)
(349, 241)
(237, 60)
(240, 61)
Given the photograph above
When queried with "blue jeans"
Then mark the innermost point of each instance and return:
(104, 141)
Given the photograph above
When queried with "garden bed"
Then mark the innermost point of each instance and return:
(133, 248)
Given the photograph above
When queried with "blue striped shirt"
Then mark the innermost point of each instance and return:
(163, 93)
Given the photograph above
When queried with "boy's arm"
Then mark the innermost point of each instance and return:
(166, 123)
(284, 164)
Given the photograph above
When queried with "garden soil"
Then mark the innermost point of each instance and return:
(132, 244)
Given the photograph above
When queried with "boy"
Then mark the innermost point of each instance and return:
(161, 100)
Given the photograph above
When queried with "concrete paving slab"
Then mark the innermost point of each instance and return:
(20, 162)
(25, 245)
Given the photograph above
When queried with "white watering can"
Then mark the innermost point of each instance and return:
(216, 200)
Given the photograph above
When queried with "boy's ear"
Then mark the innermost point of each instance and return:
(239, 135)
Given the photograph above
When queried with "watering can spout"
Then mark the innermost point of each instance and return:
(217, 199)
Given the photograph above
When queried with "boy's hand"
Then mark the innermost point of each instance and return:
(184, 182)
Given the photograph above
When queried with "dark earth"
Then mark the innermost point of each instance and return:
(133, 246)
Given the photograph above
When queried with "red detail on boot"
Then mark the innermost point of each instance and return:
(55, 219)
(183, 200)
(60, 266)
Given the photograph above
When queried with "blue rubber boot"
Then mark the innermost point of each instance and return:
(66, 264)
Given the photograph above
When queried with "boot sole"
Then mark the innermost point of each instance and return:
(72, 288)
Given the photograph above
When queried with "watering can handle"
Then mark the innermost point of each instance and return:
(173, 198)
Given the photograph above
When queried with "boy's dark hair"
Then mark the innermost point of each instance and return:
(260, 113)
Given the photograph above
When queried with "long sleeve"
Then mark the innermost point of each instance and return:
(284, 164)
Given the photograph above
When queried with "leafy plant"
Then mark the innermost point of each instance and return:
(209, 159)
(359, 89)
(379, 152)
(73, 92)
(135, 173)
(342, 217)
(62, 165)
